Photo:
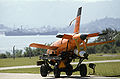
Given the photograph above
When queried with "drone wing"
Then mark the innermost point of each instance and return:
(96, 34)
(43, 46)
(93, 44)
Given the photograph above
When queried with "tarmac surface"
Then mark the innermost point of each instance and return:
(38, 76)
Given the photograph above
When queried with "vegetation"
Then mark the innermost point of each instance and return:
(105, 69)
(28, 52)
(3, 55)
(22, 70)
(102, 69)
(108, 69)
(21, 61)
(113, 47)
(18, 61)
(101, 56)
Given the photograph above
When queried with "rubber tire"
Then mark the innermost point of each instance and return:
(56, 72)
(43, 71)
(83, 70)
(69, 71)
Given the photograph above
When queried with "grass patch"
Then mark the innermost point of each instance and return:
(102, 69)
(108, 69)
(8, 62)
(98, 57)
(22, 70)
(18, 61)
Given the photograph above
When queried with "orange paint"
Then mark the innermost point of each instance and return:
(77, 24)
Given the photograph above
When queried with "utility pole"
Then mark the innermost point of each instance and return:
(14, 52)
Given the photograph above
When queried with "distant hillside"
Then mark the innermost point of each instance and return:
(97, 26)
(92, 27)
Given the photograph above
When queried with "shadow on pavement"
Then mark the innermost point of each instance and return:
(73, 77)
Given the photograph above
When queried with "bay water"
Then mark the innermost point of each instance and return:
(20, 42)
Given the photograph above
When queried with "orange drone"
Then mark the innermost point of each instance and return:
(61, 53)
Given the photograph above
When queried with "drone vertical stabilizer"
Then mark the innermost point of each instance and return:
(77, 23)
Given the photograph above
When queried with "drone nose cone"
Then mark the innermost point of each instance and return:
(59, 36)
(83, 37)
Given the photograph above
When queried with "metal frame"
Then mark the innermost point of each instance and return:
(45, 60)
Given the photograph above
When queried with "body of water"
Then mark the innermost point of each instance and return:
(20, 42)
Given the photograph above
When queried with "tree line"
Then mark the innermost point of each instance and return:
(28, 52)
(113, 47)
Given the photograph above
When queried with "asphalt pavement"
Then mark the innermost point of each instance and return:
(38, 76)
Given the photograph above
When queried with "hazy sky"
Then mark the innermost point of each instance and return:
(57, 13)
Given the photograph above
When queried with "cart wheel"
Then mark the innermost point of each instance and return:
(83, 70)
(56, 72)
(43, 71)
(69, 70)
